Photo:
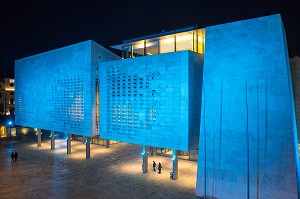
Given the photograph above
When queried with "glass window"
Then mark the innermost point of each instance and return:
(166, 44)
(201, 41)
(152, 47)
(200, 45)
(184, 41)
(138, 49)
(11, 84)
(127, 51)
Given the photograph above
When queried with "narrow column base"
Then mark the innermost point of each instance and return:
(69, 143)
(88, 148)
(145, 159)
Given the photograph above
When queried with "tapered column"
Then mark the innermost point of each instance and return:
(39, 137)
(175, 164)
(88, 147)
(69, 143)
(52, 140)
(107, 143)
(145, 159)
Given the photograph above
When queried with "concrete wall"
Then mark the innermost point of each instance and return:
(247, 128)
(56, 90)
(152, 100)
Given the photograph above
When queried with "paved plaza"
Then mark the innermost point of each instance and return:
(114, 172)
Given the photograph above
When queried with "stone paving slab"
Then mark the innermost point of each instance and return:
(114, 172)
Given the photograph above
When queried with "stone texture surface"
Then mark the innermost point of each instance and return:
(247, 121)
(57, 90)
(113, 172)
(152, 100)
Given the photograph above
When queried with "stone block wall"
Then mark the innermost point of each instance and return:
(56, 90)
(152, 100)
(247, 129)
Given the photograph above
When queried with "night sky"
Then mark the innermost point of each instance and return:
(31, 27)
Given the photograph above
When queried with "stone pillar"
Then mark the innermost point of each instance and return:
(69, 143)
(151, 151)
(39, 137)
(175, 164)
(107, 143)
(145, 159)
(88, 147)
(52, 140)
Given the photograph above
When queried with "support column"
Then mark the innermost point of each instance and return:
(52, 140)
(151, 150)
(39, 137)
(69, 143)
(175, 164)
(88, 147)
(107, 143)
(145, 159)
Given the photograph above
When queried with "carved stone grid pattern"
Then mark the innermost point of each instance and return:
(131, 102)
(56, 90)
(145, 100)
(68, 101)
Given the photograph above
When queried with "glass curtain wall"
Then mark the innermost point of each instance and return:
(191, 40)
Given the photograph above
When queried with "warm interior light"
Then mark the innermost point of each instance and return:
(184, 38)
(167, 41)
(9, 89)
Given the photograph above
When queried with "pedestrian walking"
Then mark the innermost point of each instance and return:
(12, 155)
(159, 168)
(154, 165)
(16, 156)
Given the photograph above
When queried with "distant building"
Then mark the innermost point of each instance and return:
(7, 91)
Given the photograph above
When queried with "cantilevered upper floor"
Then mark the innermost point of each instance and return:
(190, 38)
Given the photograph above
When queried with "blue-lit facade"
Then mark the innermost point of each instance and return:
(224, 91)
(148, 100)
(58, 90)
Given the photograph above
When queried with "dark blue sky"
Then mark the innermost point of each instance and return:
(31, 27)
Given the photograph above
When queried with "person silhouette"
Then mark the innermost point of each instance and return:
(154, 165)
(12, 155)
(159, 168)
(16, 156)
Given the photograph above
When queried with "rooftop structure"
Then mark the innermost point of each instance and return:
(190, 38)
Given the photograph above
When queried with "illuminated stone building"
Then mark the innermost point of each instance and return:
(222, 96)
(58, 91)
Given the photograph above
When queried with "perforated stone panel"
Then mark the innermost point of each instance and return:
(145, 100)
(56, 90)
(248, 132)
